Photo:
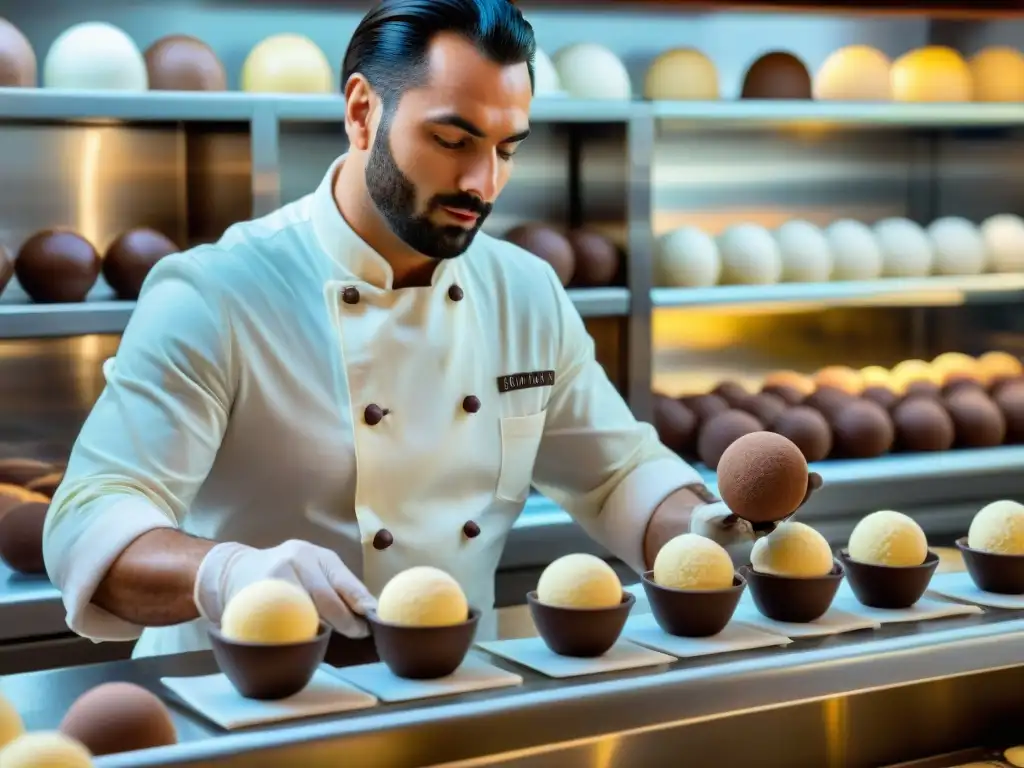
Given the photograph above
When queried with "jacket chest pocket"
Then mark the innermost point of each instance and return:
(520, 441)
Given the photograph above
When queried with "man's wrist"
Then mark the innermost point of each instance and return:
(672, 518)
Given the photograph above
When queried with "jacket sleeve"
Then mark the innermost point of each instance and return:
(148, 443)
(596, 461)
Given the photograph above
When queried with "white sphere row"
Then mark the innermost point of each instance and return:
(801, 252)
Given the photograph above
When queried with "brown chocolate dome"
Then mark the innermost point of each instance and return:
(119, 717)
(828, 400)
(548, 244)
(977, 420)
(957, 384)
(1010, 400)
(882, 396)
(675, 424)
(1005, 381)
(861, 430)
(6, 269)
(21, 537)
(57, 266)
(789, 395)
(18, 65)
(924, 389)
(922, 424)
(704, 407)
(597, 259)
(184, 63)
(807, 429)
(722, 431)
(130, 258)
(764, 406)
(732, 392)
(762, 477)
(777, 75)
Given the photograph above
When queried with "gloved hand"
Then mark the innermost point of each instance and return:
(340, 598)
(716, 522)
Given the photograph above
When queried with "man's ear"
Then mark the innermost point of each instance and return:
(360, 104)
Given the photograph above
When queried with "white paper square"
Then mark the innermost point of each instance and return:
(834, 622)
(924, 609)
(216, 699)
(532, 652)
(475, 674)
(960, 587)
(736, 636)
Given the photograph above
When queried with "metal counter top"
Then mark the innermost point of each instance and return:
(544, 711)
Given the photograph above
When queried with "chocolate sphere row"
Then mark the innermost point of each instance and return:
(582, 258)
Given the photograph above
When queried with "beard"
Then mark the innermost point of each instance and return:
(394, 195)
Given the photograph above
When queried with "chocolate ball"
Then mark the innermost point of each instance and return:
(764, 406)
(807, 429)
(789, 395)
(732, 392)
(184, 63)
(12, 496)
(922, 424)
(997, 384)
(957, 384)
(861, 430)
(6, 269)
(777, 75)
(23, 471)
(704, 407)
(1010, 401)
(597, 259)
(21, 537)
(548, 244)
(762, 477)
(675, 424)
(882, 396)
(924, 389)
(828, 400)
(47, 484)
(57, 266)
(18, 65)
(977, 420)
(119, 717)
(722, 431)
(130, 258)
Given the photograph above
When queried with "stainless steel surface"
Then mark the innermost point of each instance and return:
(654, 714)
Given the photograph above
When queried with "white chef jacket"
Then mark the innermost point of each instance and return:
(240, 407)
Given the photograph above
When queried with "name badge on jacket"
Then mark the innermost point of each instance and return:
(512, 382)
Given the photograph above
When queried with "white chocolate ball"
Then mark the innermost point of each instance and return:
(957, 245)
(579, 581)
(854, 73)
(45, 749)
(998, 74)
(934, 73)
(95, 56)
(11, 725)
(793, 549)
(750, 256)
(545, 76)
(270, 611)
(998, 528)
(686, 258)
(423, 596)
(806, 257)
(691, 561)
(591, 71)
(287, 63)
(906, 251)
(1004, 242)
(683, 74)
(854, 249)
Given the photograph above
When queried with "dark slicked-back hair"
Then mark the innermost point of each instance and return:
(389, 47)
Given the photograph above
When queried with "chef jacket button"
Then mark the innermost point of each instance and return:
(373, 414)
(350, 295)
(471, 404)
(471, 530)
(383, 539)
(455, 293)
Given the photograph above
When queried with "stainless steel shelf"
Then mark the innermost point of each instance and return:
(757, 112)
(930, 291)
(600, 302)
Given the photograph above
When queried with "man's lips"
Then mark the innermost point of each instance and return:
(462, 214)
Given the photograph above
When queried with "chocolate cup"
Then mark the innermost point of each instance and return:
(692, 612)
(423, 653)
(888, 586)
(991, 572)
(580, 632)
(268, 671)
(793, 599)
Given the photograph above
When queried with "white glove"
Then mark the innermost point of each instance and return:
(340, 597)
(714, 521)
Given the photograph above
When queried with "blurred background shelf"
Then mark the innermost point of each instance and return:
(928, 291)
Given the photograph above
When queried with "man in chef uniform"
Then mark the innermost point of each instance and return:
(361, 381)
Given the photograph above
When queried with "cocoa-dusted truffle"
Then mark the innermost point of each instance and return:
(828, 400)
(922, 424)
(6, 269)
(882, 396)
(23, 471)
(21, 538)
(597, 259)
(777, 75)
(789, 395)
(675, 424)
(57, 266)
(119, 717)
(732, 392)
(762, 477)
(722, 431)
(861, 430)
(1010, 400)
(548, 244)
(704, 407)
(807, 429)
(977, 420)
(130, 258)
(184, 63)
(765, 407)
